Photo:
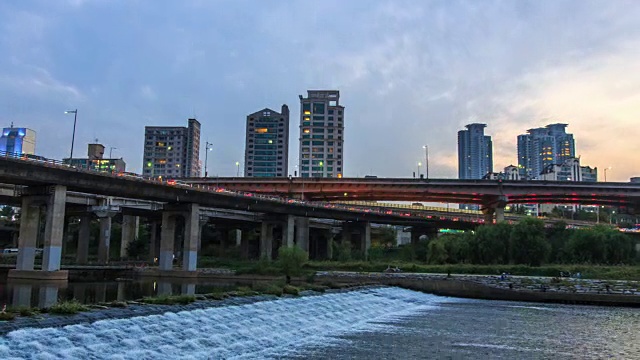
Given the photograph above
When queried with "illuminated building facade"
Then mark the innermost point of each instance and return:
(321, 134)
(542, 147)
(266, 151)
(172, 151)
(95, 161)
(475, 152)
(18, 141)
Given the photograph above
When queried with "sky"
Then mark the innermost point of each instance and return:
(410, 73)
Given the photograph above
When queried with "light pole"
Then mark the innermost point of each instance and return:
(73, 136)
(426, 159)
(605, 173)
(238, 168)
(206, 156)
(611, 217)
(111, 148)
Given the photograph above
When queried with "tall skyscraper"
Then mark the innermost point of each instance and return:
(18, 141)
(321, 134)
(542, 147)
(172, 151)
(475, 152)
(266, 151)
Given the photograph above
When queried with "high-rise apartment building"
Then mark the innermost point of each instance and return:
(475, 152)
(542, 147)
(266, 150)
(18, 141)
(321, 134)
(172, 151)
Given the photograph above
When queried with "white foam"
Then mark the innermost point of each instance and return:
(260, 330)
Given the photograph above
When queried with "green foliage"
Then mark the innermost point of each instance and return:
(437, 252)
(169, 299)
(490, 245)
(23, 311)
(68, 308)
(342, 251)
(291, 290)
(528, 244)
(7, 316)
(291, 260)
(601, 245)
(137, 248)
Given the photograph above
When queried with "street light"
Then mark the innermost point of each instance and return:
(426, 159)
(73, 136)
(605, 173)
(111, 148)
(206, 156)
(238, 168)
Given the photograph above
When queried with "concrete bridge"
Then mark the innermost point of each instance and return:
(481, 192)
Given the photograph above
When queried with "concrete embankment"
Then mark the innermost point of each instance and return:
(488, 288)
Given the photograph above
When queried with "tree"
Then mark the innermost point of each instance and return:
(558, 236)
(291, 261)
(528, 244)
(490, 245)
(437, 252)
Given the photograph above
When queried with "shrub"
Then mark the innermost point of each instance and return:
(291, 290)
(291, 260)
(6, 316)
(528, 244)
(170, 299)
(68, 308)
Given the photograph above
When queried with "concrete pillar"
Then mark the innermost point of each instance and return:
(22, 295)
(164, 288)
(104, 239)
(499, 214)
(48, 296)
(82, 254)
(191, 238)
(238, 235)
(130, 226)
(188, 289)
(329, 236)
(302, 233)
(101, 292)
(346, 233)
(167, 240)
(120, 294)
(54, 229)
(288, 231)
(365, 239)
(29, 225)
(266, 241)
(153, 241)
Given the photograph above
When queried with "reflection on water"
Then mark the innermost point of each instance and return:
(38, 294)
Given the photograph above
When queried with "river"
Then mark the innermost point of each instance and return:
(374, 323)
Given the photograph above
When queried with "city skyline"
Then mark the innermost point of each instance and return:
(403, 89)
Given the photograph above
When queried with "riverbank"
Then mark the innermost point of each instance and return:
(510, 288)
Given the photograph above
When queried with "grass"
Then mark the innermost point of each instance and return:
(24, 311)
(169, 299)
(7, 316)
(68, 308)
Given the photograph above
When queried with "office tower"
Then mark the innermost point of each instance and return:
(18, 141)
(266, 151)
(172, 151)
(475, 152)
(321, 134)
(542, 147)
(95, 161)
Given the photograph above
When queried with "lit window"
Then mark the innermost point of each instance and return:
(307, 112)
(262, 130)
(306, 131)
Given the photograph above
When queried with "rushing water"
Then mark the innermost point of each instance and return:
(374, 323)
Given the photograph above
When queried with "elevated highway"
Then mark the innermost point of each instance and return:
(482, 192)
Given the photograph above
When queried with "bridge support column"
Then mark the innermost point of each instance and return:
(329, 235)
(191, 238)
(238, 236)
(82, 254)
(499, 212)
(167, 241)
(104, 243)
(153, 241)
(29, 225)
(266, 241)
(55, 199)
(365, 239)
(288, 231)
(130, 226)
(302, 233)
(54, 229)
